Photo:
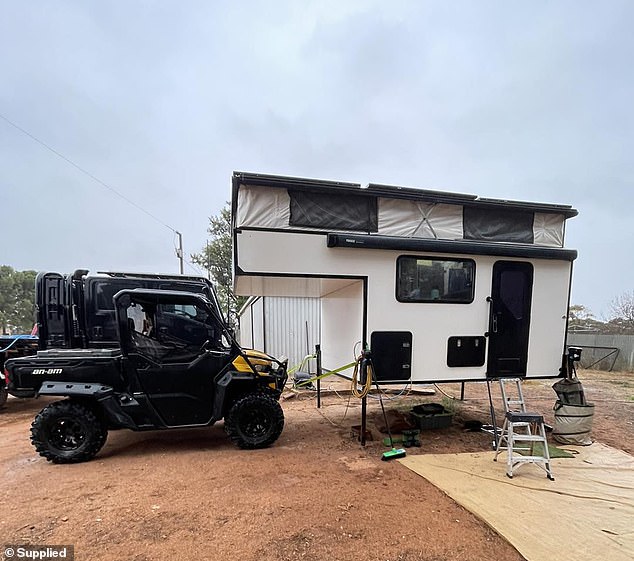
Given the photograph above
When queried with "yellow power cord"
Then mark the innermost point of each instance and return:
(367, 386)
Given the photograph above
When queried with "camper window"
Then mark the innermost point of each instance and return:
(434, 279)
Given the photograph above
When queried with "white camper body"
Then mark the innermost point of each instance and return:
(442, 287)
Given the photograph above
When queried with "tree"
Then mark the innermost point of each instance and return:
(581, 318)
(579, 313)
(215, 257)
(622, 308)
(17, 300)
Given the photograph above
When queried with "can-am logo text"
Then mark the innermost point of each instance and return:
(47, 371)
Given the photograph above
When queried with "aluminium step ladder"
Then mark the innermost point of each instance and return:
(521, 427)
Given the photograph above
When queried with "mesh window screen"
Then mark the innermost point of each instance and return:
(499, 225)
(333, 211)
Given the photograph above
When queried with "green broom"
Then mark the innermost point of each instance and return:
(394, 453)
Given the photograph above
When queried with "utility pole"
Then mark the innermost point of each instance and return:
(179, 252)
(208, 262)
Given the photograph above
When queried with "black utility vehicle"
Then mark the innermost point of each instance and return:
(176, 365)
(76, 311)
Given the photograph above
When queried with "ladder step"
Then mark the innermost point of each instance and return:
(528, 438)
(517, 418)
(533, 459)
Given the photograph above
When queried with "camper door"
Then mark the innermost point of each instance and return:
(509, 318)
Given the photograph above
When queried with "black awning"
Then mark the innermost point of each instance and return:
(466, 247)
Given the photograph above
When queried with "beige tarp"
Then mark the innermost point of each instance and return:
(586, 514)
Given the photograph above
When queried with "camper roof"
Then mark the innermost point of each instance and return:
(395, 192)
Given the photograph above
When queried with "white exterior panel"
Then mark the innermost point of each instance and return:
(549, 311)
(342, 324)
(430, 323)
(245, 331)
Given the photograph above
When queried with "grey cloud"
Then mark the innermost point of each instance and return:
(163, 101)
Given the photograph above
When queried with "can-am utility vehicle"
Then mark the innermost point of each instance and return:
(177, 365)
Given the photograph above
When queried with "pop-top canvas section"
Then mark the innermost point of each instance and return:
(280, 203)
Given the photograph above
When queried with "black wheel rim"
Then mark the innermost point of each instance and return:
(67, 434)
(254, 423)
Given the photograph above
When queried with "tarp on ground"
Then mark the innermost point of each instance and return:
(586, 514)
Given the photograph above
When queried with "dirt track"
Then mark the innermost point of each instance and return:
(315, 495)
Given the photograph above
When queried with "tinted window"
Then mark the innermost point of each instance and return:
(170, 333)
(513, 288)
(104, 292)
(434, 279)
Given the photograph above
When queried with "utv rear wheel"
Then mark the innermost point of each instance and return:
(254, 421)
(4, 394)
(67, 432)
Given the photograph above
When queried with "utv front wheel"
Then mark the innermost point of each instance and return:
(254, 421)
(67, 432)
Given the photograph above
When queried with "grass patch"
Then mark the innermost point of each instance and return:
(450, 405)
(553, 451)
(621, 383)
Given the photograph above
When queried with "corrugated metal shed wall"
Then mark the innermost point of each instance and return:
(251, 332)
(245, 331)
(292, 327)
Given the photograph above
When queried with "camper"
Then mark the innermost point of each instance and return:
(442, 287)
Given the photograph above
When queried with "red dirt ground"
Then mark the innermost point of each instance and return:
(315, 495)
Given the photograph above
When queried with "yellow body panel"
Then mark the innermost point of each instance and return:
(257, 358)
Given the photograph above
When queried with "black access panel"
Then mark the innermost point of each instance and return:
(466, 351)
(392, 355)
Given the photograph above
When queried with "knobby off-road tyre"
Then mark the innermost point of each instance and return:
(66, 432)
(254, 421)
(4, 395)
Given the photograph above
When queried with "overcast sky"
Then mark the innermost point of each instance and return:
(164, 100)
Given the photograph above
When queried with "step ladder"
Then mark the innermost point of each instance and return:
(521, 431)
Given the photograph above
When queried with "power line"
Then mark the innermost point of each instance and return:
(77, 166)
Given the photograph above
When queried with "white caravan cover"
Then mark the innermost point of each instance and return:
(548, 229)
(270, 207)
(416, 219)
(263, 207)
